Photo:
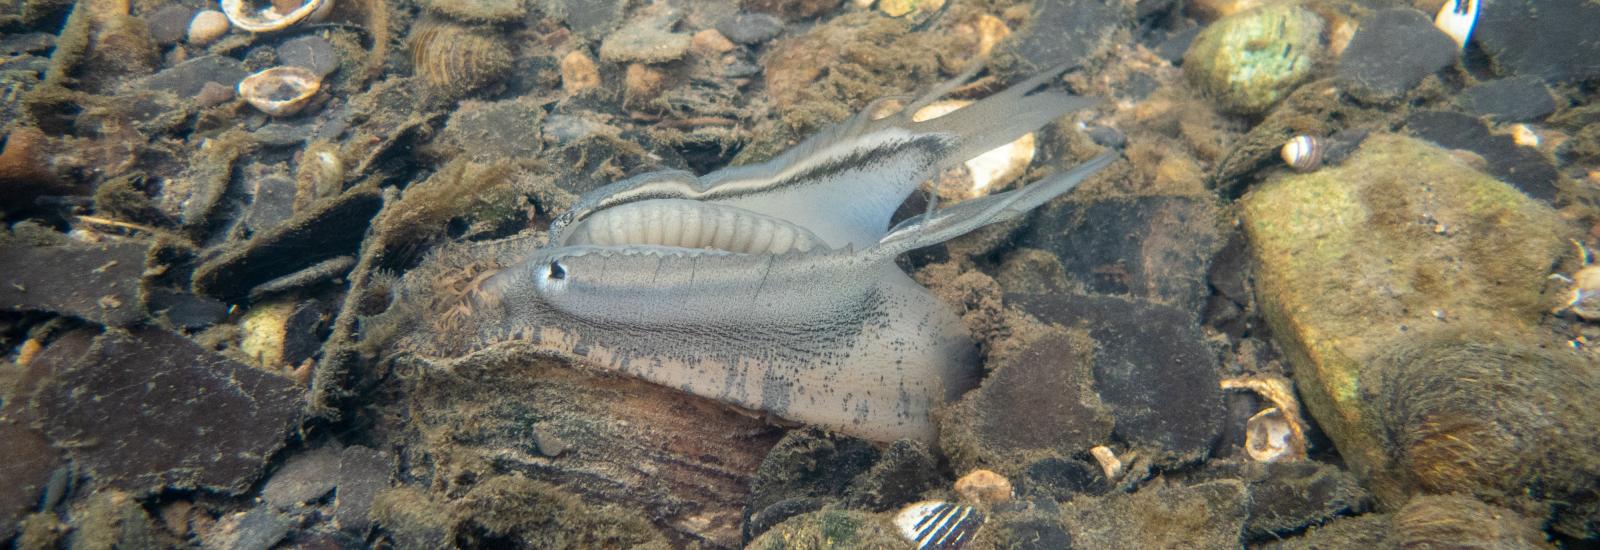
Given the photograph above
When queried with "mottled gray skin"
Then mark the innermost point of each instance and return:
(827, 330)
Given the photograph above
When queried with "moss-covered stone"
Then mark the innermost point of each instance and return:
(1250, 60)
(1402, 240)
(831, 528)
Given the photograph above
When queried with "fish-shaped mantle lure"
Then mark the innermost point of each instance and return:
(774, 286)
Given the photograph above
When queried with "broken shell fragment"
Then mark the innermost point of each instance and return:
(269, 18)
(1456, 19)
(1269, 437)
(937, 524)
(280, 91)
(1303, 153)
(1110, 465)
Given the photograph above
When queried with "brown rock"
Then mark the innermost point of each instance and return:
(984, 487)
(792, 10)
(710, 43)
(643, 84)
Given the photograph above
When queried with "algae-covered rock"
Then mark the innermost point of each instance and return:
(1250, 60)
(1404, 287)
(1204, 515)
(831, 528)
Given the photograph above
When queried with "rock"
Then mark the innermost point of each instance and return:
(902, 472)
(1062, 32)
(524, 513)
(1346, 273)
(1156, 248)
(332, 228)
(257, 529)
(1248, 61)
(750, 28)
(1364, 531)
(97, 282)
(1048, 381)
(306, 477)
(578, 72)
(186, 79)
(207, 26)
(588, 18)
(709, 42)
(1515, 99)
(185, 310)
(832, 528)
(13, 44)
(1035, 529)
(169, 23)
(114, 519)
(412, 518)
(494, 131)
(363, 473)
(792, 10)
(163, 412)
(1391, 52)
(1205, 515)
(29, 463)
(805, 464)
(1153, 369)
(271, 202)
(1062, 479)
(479, 11)
(310, 52)
(1287, 497)
(1550, 39)
(984, 487)
(1522, 167)
(645, 40)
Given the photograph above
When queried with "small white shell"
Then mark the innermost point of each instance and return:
(1457, 18)
(1303, 153)
(269, 20)
(280, 91)
(935, 524)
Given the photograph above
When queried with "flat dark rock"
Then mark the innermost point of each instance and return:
(1157, 248)
(1049, 384)
(750, 28)
(1519, 166)
(170, 23)
(1551, 39)
(185, 310)
(98, 282)
(1515, 99)
(305, 477)
(333, 228)
(32, 42)
(1153, 369)
(363, 472)
(146, 410)
(1060, 479)
(1391, 52)
(494, 131)
(187, 78)
(1064, 32)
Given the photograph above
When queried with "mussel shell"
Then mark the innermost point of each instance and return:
(455, 60)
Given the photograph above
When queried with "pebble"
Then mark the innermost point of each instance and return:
(494, 131)
(750, 28)
(207, 27)
(363, 472)
(306, 477)
(984, 487)
(212, 94)
(578, 72)
(643, 42)
(709, 43)
(1515, 99)
(1391, 53)
(311, 52)
(1061, 479)
(1550, 39)
(169, 23)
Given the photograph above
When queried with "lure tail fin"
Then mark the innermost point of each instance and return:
(948, 223)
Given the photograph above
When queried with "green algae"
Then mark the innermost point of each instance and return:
(1250, 60)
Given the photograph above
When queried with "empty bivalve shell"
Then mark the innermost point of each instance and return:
(280, 91)
(269, 19)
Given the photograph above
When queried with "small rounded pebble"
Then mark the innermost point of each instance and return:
(169, 23)
(207, 26)
(984, 487)
(750, 28)
(212, 93)
(311, 52)
(578, 72)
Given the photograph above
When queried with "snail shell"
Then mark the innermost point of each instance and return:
(455, 60)
(1303, 153)
(269, 19)
(280, 91)
(319, 176)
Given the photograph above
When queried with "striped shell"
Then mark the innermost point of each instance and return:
(1303, 153)
(454, 59)
(934, 524)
